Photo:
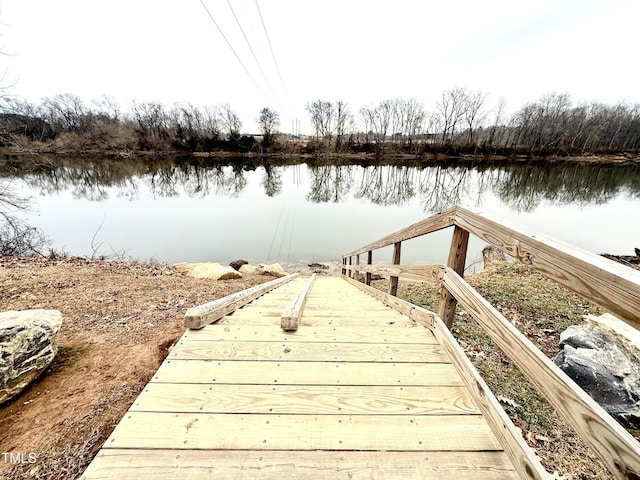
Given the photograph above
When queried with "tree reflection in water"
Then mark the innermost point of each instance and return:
(521, 186)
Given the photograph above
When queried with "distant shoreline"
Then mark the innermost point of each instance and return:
(429, 158)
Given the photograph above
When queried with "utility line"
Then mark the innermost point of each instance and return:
(273, 55)
(253, 53)
(233, 50)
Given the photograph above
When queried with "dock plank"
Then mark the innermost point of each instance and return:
(122, 464)
(302, 432)
(306, 373)
(296, 399)
(309, 352)
(415, 334)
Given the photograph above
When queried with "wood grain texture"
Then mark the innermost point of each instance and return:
(198, 317)
(434, 223)
(119, 464)
(306, 373)
(611, 285)
(416, 273)
(395, 260)
(415, 313)
(309, 352)
(526, 463)
(305, 399)
(413, 333)
(456, 261)
(302, 432)
(291, 316)
(615, 446)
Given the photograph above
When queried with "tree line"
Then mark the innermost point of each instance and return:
(460, 121)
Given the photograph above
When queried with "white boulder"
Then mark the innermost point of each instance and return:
(27, 347)
(213, 271)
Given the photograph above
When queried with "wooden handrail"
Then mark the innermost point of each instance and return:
(614, 287)
(617, 447)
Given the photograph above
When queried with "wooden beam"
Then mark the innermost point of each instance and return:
(615, 446)
(122, 464)
(417, 314)
(611, 285)
(434, 223)
(202, 315)
(369, 262)
(393, 281)
(526, 463)
(456, 261)
(291, 316)
(418, 273)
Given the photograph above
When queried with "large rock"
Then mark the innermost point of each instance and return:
(603, 357)
(213, 271)
(27, 347)
(236, 264)
(273, 270)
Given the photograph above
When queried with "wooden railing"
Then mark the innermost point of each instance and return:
(614, 287)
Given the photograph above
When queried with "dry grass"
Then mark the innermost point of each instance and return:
(541, 309)
(120, 319)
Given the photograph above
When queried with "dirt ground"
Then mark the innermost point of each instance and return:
(119, 320)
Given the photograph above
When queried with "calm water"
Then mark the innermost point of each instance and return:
(198, 211)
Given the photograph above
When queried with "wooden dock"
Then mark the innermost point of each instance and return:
(359, 390)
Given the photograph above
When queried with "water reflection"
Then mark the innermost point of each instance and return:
(522, 186)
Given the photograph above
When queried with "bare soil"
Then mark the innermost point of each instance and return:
(119, 321)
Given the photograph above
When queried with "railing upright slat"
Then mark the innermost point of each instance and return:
(456, 261)
(393, 288)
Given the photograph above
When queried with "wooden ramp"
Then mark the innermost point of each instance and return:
(358, 391)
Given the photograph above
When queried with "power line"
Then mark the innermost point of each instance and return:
(253, 53)
(233, 50)
(273, 55)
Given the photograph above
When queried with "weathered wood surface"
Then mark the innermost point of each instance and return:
(611, 285)
(291, 316)
(306, 399)
(115, 464)
(524, 460)
(377, 394)
(306, 373)
(303, 432)
(417, 273)
(395, 260)
(240, 333)
(434, 223)
(414, 312)
(198, 317)
(615, 446)
(456, 261)
(308, 352)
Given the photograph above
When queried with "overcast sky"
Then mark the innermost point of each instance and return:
(358, 51)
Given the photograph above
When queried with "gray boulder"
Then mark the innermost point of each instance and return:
(605, 363)
(27, 347)
(236, 264)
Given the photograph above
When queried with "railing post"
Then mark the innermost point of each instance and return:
(369, 261)
(350, 269)
(344, 265)
(393, 289)
(356, 274)
(457, 258)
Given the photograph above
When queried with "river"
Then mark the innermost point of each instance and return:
(193, 210)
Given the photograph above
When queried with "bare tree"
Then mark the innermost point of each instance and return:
(451, 111)
(322, 118)
(268, 122)
(344, 119)
(230, 122)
